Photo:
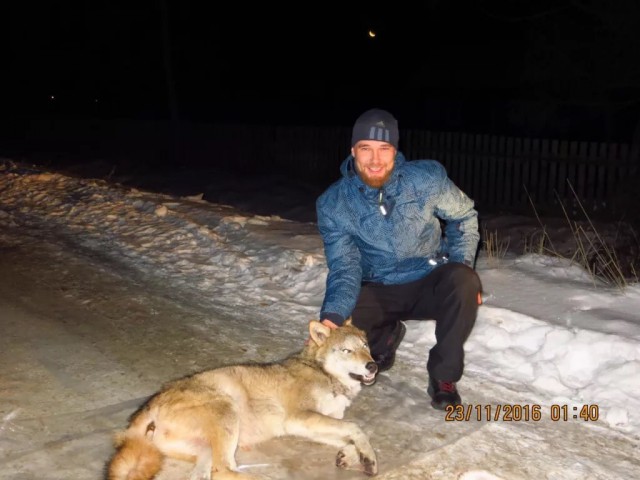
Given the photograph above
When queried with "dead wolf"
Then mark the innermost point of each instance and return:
(205, 417)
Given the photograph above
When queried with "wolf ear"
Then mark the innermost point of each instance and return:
(318, 332)
(348, 321)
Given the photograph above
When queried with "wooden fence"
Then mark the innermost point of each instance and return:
(508, 172)
(498, 172)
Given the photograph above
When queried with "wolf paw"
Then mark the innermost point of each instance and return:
(350, 458)
(369, 465)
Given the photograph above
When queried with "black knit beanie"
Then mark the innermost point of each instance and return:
(376, 124)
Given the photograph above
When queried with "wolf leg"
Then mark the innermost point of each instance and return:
(214, 430)
(355, 450)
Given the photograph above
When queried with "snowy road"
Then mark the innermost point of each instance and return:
(107, 292)
(84, 342)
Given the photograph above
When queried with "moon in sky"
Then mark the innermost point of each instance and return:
(372, 33)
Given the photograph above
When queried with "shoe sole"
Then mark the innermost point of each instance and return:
(442, 406)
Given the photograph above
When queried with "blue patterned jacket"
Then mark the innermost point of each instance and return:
(391, 235)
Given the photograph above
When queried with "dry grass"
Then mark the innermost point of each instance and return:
(592, 251)
(539, 242)
(496, 248)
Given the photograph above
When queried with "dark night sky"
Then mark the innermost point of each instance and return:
(453, 64)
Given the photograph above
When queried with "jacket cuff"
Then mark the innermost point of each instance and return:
(334, 317)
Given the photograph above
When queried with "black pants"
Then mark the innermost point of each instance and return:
(448, 295)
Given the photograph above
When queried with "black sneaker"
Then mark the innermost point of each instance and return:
(443, 394)
(385, 360)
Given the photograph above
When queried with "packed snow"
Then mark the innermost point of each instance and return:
(552, 380)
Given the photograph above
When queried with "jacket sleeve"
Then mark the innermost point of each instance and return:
(461, 232)
(343, 261)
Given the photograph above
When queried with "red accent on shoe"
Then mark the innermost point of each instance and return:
(447, 386)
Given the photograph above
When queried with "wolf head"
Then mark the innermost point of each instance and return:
(344, 352)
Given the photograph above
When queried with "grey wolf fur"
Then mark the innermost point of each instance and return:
(205, 417)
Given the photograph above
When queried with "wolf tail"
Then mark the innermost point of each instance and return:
(136, 458)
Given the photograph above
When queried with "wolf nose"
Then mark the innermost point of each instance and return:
(372, 367)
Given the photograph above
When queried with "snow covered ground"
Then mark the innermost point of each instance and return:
(107, 291)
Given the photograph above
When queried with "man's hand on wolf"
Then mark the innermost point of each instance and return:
(329, 323)
(326, 323)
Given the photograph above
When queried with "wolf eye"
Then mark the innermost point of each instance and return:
(346, 350)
